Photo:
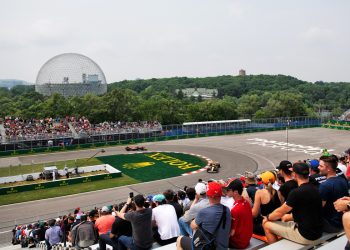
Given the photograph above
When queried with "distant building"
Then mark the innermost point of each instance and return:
(241, 72)
(203, 92)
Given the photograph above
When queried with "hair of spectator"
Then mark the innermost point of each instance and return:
(191, 193)
(331, 161)
(139, 200)
(169, 194)
(52, 222)
(83, 217)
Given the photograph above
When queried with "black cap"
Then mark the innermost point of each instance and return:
(284, 165)
(93, 212)
(301, 168)
(235, 185)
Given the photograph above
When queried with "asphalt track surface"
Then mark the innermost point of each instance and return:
(235, 153)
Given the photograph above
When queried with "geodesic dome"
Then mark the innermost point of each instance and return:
(70, 74)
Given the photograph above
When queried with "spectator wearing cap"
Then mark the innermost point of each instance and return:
(201, 201)
(304, 226)
(169, 197)
(165, 226)
(242, 218)
(265, 201)
(315, 177)
(332, 189)
(53, 234)
(119, 227)
(141, 221)
(215, 219)
(289, 184)
(103, 224)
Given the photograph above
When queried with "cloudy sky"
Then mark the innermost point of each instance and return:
(195, 38)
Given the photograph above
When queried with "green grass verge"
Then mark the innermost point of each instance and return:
(35, 168)
(67, 190)
(142, 167)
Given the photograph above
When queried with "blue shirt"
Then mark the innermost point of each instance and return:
(53, 235)
(331, 190)
(209, 218)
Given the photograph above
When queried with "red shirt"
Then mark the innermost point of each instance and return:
(242, 223)
(104, 224)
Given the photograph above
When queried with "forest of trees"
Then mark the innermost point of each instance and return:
(253, 96)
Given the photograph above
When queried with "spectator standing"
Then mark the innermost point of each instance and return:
(53, 234)
(215, 219)
(289, 184)
(304, 226)
(242, 218)
(141, 221)
(332, 189)
(200, 201)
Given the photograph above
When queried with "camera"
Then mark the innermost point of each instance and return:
(131, 195)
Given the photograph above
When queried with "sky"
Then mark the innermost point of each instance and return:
(132, 39)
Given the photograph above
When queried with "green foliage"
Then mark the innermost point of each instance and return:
(252, 96)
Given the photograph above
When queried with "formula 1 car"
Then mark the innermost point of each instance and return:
(135, 148)
(213, 167)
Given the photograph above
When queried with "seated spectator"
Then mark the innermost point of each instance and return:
(119, 227)
(214, 219)
(242, 218)
(304, 226)
(83, 234)
(191, 194)
(165, 226)
(169, 197)
(182, 199)
(141, 221)
(199, 202)
(53, 234)
(252, 186)
(332, 189)
(289, 184)
(266, 201)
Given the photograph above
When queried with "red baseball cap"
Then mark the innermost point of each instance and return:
(214, 189)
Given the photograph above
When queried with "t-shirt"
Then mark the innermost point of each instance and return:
(287, 187)
(104, 224)
(141, 222)
(121, 227)
(209, 218)
(242, 223)
(193, 211)
(331, 190)
(178, 208)
(317, 179)
(307, 210)
(166, 219)
(251, 190)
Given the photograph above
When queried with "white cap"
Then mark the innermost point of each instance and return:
(200, 188)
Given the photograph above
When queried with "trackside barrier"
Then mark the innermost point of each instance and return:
(341, 125)
(57, 183)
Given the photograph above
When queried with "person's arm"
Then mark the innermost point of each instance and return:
(194, 225)
(195, 200)
(257, 203)
(121, 214)
(341, 205)
(278, 213)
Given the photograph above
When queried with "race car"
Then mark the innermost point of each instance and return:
(135, 148)
(213, 167)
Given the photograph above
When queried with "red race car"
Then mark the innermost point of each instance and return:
(135, 148)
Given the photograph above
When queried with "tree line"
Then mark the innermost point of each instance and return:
(253, 96)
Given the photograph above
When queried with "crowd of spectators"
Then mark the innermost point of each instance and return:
(290, 202)
(18, 129)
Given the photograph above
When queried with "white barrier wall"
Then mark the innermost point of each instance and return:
(23, 177)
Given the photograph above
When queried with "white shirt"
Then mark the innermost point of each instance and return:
(227, 201)
(166, 219)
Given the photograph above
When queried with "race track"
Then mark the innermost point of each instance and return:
(236, 153)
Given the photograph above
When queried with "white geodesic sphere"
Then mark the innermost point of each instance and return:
(62, 72)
